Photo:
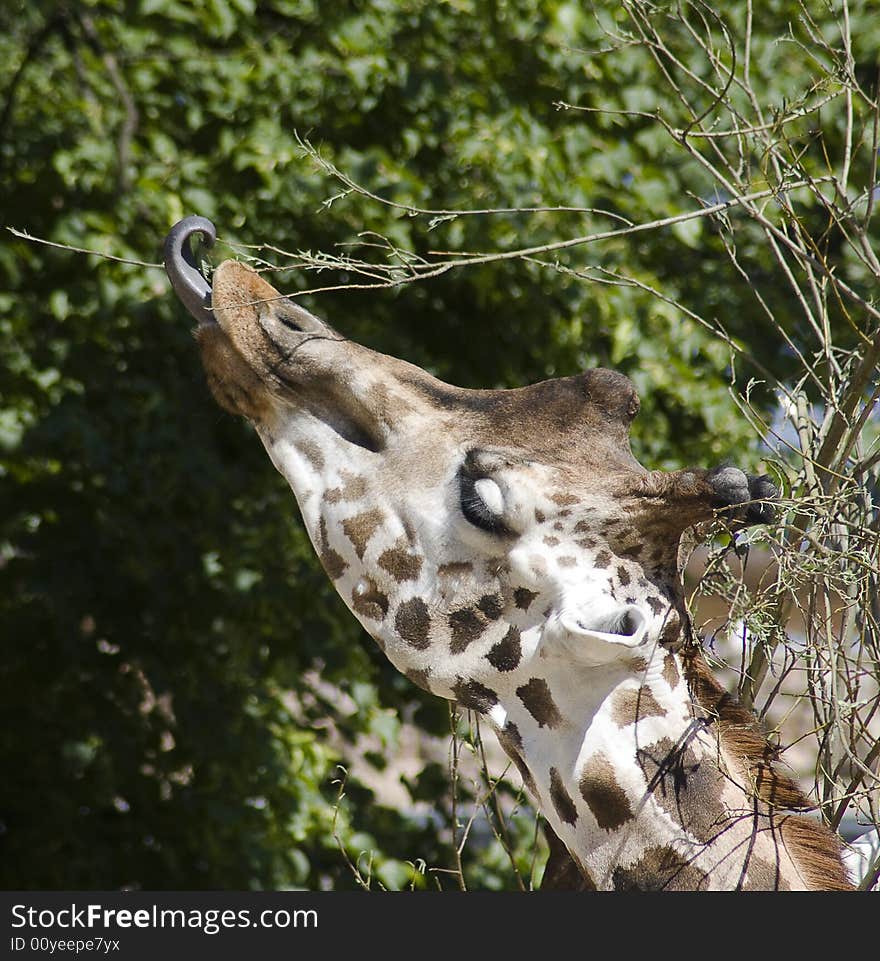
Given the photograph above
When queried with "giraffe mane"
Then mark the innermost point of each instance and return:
(811, 844)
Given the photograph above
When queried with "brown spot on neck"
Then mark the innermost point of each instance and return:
(400, 564)
(761, 875)
(353, 489)
(511, 742)
(656, 605)
(360, 528)
(561, 799)
(687, 788)
(474, 695)
(523, 598)
(659, 869)
(312, 453)
(630, 705)
(371, 603)
(413, 623)
(333, 563)
(507, 653)
(491, 606)
(562, 872)
(420, 679)
(466, 626)
(670, 671)
(539, 702)
(605, 797)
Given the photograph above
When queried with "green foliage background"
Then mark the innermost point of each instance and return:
(158, 596)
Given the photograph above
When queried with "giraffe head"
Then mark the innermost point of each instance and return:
(485, 539)
(506, 550)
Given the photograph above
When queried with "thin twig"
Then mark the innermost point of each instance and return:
(24, 235)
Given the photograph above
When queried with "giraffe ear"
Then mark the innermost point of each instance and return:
(609, 403)
(612, 395)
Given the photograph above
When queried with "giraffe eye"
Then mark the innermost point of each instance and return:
(482, 503)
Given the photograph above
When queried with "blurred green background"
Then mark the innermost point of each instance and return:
(161, 608)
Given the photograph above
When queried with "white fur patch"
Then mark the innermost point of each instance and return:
(490, 494)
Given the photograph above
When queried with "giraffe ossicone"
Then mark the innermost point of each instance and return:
(506, 550)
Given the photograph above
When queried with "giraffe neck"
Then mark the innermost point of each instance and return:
(637, 785)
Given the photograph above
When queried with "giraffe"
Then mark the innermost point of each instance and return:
(507, 551)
